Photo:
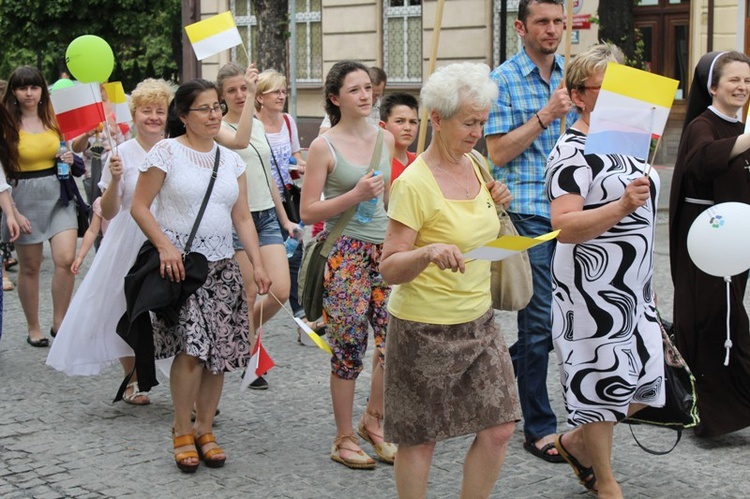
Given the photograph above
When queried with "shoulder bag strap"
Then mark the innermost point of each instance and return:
(260, 158)
(348, 214)
(275, 163)
(288, 127)
(486, 175)
(203, 205)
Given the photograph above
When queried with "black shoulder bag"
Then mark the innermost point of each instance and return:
(680, 409)
(292, 192)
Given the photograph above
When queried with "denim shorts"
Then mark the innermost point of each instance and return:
(267, 226)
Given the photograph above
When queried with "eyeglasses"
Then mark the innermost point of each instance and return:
(206, 110)
(280, 91)
(597, 88)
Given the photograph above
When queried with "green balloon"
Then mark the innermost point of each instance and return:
(90, 59)
(62, 83)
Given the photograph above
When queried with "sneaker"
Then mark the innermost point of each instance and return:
(259, 384)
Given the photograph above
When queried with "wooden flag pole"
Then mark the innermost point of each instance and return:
(568, 43)
(431, 68)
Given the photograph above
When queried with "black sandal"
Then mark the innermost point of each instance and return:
(584, 475)
(543, 453)
(40, 343)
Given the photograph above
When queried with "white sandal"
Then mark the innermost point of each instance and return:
(131, 399)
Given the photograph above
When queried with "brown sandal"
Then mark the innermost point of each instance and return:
(208, 456)
(361, 461)
(183, 441)
(385, 451)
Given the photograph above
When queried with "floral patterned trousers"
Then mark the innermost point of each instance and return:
(354, 296)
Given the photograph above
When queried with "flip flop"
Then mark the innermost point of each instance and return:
(584, 475)
(543, 453)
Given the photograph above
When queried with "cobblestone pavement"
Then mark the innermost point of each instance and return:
(62, 437)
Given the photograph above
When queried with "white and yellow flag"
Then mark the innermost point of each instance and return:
(119, 101)
(213, 35)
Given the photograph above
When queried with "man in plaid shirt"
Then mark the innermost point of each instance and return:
(523, 126)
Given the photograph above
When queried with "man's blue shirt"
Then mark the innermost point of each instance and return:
(523, 92)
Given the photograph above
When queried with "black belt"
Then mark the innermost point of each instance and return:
(38, 173)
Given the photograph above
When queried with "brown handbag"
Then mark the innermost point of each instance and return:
(511, 284)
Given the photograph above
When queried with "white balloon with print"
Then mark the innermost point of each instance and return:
(719, 239)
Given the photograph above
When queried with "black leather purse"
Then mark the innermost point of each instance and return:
(680, 409)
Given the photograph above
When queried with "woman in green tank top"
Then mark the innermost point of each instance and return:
(354, 295)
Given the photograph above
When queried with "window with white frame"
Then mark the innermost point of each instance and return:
(402, 40)
(309, 43)
(512, 40)
(247, 25)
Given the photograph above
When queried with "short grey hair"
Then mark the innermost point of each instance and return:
(455, 85)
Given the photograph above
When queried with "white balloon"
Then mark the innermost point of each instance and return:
(719, 239)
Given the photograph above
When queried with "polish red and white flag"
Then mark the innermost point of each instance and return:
(260, 362)
(78, 109)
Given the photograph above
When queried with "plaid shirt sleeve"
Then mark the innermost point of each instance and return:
(500, 115)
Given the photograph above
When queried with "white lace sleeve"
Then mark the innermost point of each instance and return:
(160, 156)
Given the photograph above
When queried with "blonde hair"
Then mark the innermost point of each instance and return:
(592, 60)
(455, 85)
(150, 91)
(268, 81)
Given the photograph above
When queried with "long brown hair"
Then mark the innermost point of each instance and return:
(8, 144)
(25, 76)
(333, 84)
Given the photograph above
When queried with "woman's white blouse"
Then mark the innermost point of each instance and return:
(187, 176)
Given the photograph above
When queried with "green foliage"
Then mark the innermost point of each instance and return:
(142, 34)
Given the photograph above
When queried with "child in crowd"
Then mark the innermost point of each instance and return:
(98, 223)
(399, 114)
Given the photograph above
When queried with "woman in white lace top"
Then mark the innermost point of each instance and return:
(211, 336)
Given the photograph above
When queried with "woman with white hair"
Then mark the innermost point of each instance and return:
(449, 372)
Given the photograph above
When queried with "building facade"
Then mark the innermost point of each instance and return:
(397, 35)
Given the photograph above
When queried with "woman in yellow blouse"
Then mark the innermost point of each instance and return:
(37, 196)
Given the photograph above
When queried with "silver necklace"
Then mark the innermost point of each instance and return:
(465, 186)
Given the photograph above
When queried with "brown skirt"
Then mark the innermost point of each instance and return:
(444, 381)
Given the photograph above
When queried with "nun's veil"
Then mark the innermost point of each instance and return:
(699, 99)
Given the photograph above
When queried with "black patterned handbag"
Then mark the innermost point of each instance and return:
(680, 409)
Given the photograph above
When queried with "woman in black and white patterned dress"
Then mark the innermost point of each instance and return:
(604, 325)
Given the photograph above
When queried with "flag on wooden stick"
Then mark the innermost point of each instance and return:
(260, 363)
(78, 109)
(213, 35)
(119, 101)
(632, 107)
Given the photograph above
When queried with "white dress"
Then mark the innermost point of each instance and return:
(87, 340)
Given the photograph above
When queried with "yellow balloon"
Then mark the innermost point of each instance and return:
(90, 59)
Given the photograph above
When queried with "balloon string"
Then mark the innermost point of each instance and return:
(728, 342)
